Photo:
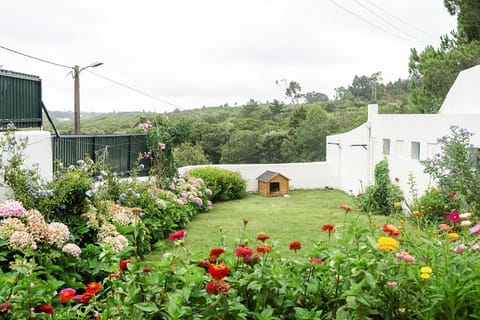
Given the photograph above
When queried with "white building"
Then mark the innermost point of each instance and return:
(404, 139)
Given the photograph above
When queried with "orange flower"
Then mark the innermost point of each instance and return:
(295, 245)
(328, 228)
(217, 287)
(218, 271)
(114, 276)
(263, 248)
(93, 287)
(346, 207)
(391, 230)
(263, 236)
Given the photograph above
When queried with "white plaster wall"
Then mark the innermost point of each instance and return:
(310, 175)
(38, 151)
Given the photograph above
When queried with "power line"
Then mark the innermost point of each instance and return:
(134, 89)
(371, 23)
(35, 58)
(387, 22)
(400, 20)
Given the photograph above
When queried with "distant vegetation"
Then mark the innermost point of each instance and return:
(292, 130)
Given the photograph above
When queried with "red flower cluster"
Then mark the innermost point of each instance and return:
(391, 230)
(214, 253)
(44, 308)
(246, 254)
(216, 287)
(263, 236)
(179, 235)
(124, 264)
(218, 271)
(263, 248)
(90, 290)
(328, 227)
(295, 245)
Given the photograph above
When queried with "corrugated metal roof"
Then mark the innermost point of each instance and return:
(268, 175)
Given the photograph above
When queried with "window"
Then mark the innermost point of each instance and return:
(386, 147)
(415, 150)
(400, 146)
(431, 150)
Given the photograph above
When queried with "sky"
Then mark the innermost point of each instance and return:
(161, 55)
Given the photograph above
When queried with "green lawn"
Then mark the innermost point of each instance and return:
(299, 217)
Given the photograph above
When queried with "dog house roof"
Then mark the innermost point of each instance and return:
(269, 175)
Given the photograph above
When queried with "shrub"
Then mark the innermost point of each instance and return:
(225, 184)
(382, 195)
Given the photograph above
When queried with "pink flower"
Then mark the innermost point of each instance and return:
(391, 284)
(179, 235)
(405, 256)
(198, 201)
(208, 192)
(315, 260)
(475, 228)
(454, 217)
(459, 249)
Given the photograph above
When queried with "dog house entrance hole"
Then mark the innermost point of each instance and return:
(274, 187)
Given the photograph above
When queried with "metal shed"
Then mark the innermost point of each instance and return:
(272, 184)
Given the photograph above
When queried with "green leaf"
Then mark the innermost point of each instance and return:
(149, 307)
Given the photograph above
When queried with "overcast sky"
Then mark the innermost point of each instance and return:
(191, 53)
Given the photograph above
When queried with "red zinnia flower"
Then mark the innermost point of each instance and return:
(218, 271)
(243, 251)
(328, 228)
(295, 245)
(454, 217)
(216, 287)
(346, 207)
(391, 230)
(179, 235)
(216, 251)
(5, 307)
(83, 298)
(263, 248)
(452, 195)
(93, 287)
(146, 269)
(251, 260)
(124, 264)
(67, 294)
(263, 236)
(315, 260)
(204, 264)
(44, 308)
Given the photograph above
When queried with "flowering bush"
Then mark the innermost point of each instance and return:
(223, 184)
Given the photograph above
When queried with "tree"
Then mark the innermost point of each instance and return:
(213, 140)
(242, 147)
(272, 147)
(310, 135)
(292, 91)
(361, 87)
(313, 97)
(189, 155)
(468, 18)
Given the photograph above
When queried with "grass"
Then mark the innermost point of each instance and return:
(299, 217)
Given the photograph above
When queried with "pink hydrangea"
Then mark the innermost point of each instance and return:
(12, 208)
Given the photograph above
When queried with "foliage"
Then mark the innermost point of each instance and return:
(455, 168)
(382, 196)
(189, 155)
(224, 184)
(163, 137)
(468, 18)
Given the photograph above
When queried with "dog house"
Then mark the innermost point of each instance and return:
(272, 184)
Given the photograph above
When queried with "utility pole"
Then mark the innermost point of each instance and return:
(76, 93)
(76, 90)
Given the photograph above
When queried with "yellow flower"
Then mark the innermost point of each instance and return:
(426, 269)
(453, 236)
(415, 212)
(387, 244)
(425, 276)
(397, 205)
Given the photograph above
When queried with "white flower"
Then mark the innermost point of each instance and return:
(466, 223)
(72, 249)
(465, 215)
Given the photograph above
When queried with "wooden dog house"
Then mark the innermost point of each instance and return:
(272, 184)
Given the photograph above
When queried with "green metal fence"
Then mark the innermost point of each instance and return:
(120, 152)
(20, 100)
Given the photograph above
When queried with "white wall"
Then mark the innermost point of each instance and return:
(38, 151)
(310, 175)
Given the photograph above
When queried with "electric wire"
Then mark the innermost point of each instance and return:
(400, 20)
(387, 22)
(373, 24)
(35, 58)
(135, 90)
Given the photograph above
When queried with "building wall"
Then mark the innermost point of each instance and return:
(309, 175)
(38, 151)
